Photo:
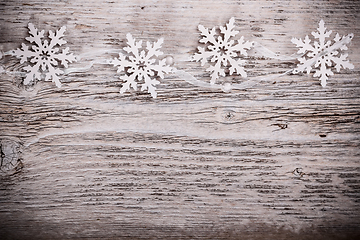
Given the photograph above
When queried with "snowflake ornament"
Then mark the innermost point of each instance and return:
(322, 54)
(44, 56)
(141, 65)
(222, 51)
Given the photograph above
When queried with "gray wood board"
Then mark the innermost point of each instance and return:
(277, 160)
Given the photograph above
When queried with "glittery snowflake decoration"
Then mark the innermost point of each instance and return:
(44, 56)
(323, 54)
(141, 66)
(222, 51)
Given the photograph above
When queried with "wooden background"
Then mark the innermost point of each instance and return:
(278, 160)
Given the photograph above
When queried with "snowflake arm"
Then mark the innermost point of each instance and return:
(150, 85)
(34, 35)
(153, 50)
(56, 39)
(340, 43)
(161, 68)
(237, 66)
(44, 56)
(304, 46)
(242, 46)
(133, 46)
(342, 62)
(32, 73)
(123, 63)
(323, 72)
(24, 53)
(228, 30)
(222, 51)
(120, 62)
(322, 35)
(141, 65)
(322, 55)
(202, 56)
(65, 57)
(216, 72)
(209, 35)
(129, 82)
(53, 74)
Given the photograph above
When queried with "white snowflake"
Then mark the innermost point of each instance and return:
(323, 54)
(141, 65)
(45, 56)
(222, 50)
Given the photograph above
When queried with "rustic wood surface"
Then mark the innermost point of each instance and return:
(278, 160)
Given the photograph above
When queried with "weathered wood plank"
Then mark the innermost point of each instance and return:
(278, 160)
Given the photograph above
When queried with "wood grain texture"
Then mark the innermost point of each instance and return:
(278, 160)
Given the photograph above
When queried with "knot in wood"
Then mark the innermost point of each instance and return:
(10, 162)
(228, 116)
(298, 172)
